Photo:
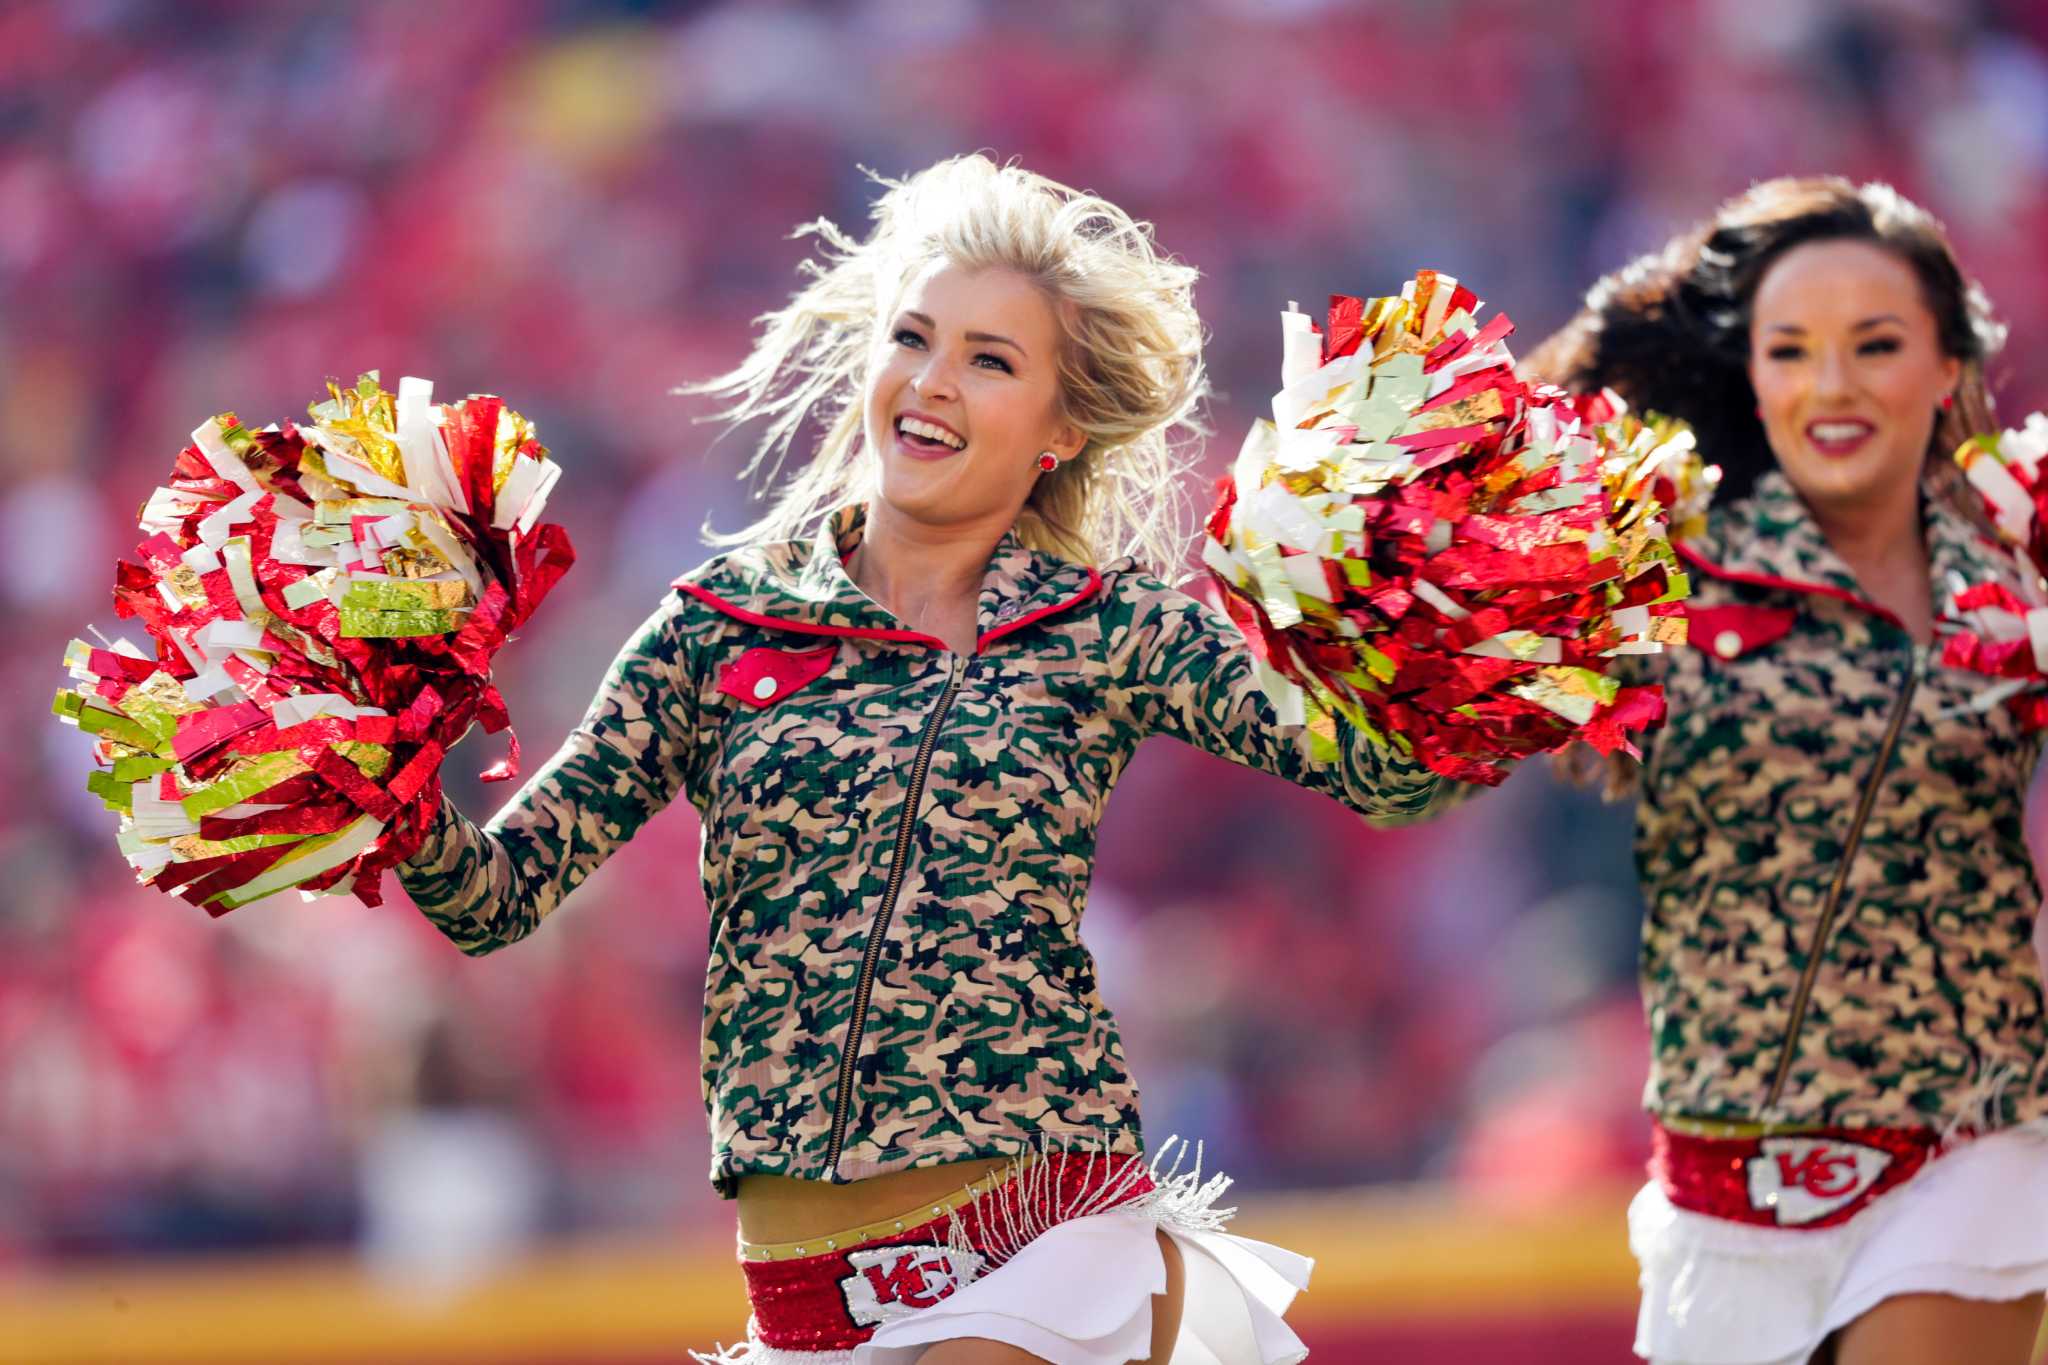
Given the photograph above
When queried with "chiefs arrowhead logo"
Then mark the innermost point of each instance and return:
(1800, 1180)
(894, 1282)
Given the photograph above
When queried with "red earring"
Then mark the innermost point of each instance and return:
(1048, 461)
(1948, 402)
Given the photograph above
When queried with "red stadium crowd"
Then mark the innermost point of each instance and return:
(218, 205)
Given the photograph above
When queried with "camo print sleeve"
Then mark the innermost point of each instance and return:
(1186, 672)
(489, 886)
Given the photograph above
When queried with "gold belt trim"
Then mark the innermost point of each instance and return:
(1732, 1128)
(888, 1227)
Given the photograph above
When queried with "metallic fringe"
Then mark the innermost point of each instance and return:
(1026, 1201)
(1982, 1107)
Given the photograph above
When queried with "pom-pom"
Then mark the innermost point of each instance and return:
(2001, 628)
(1449, 559)
(325, 600)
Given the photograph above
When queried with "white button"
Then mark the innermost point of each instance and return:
(765, 688)
(1728, 644)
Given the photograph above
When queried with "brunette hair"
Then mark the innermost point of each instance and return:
(1669, 332)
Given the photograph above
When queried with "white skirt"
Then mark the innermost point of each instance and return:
(1972, 1223)
(1081, 1294)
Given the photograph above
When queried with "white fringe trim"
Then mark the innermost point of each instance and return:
(1024, 1203)
(1982, 1106)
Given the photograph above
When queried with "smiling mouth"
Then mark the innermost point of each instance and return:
(928, 437)
(1839, 437)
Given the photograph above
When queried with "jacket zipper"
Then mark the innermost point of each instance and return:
(1802, 998)
(878, 929)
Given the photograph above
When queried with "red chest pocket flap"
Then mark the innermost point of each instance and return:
(763, 676)
(1732, 631)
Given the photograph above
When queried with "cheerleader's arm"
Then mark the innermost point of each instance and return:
(489, 886)
(1187, 672)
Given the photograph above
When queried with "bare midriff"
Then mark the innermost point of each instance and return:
(775, 1208)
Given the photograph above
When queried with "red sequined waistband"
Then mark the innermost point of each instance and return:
(1815, 1178)
(830, 1293)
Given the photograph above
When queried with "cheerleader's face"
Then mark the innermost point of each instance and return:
(1846, 360)
(962, 395)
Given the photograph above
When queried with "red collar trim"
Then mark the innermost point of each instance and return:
(738, 613)
(1008, 627)
(1707, 566)
(911, 637)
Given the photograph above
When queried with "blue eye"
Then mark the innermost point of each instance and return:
(906, 337)
(997, 361)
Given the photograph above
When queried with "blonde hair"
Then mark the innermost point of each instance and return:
(1130, 364)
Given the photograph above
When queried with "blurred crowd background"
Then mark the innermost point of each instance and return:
(215, 205)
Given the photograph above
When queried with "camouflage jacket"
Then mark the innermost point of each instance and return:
(897, 840)
(1841, 904)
